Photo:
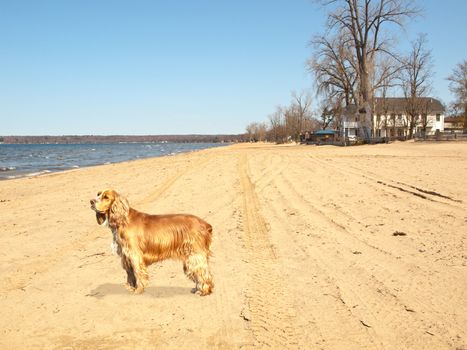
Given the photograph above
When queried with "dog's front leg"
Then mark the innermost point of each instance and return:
(131, 278)
(140, 272)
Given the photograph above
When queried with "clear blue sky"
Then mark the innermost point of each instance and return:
(172, 67)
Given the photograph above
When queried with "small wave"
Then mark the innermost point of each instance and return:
(42, 172)
(7, 168)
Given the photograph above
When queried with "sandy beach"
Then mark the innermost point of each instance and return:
(314, 248)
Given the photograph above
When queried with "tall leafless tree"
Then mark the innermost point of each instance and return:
(256, 132)
(382, 117)
(327, 117)
(365, 22)
(277, 129)
(415, 78)
(250, 131)
(299, 111)
(425, 110)
(458, 86)
(334, 68)
(385, 78)
(329, 113)
(385, 73)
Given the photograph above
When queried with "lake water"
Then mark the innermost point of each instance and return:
(30, 160)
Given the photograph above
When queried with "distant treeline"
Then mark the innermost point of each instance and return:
(70, 139)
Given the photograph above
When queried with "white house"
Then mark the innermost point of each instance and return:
(390, 118)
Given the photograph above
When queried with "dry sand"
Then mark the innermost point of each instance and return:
(305, 255)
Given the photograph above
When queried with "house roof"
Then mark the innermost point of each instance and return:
(398, 105)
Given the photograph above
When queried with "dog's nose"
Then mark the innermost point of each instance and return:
(92, 201)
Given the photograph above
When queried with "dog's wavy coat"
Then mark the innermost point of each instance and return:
(141, 239)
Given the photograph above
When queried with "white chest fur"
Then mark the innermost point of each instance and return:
(115, 246)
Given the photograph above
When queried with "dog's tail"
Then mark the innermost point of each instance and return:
(209, 238)
(206, 232)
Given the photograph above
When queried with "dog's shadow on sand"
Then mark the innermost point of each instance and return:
(107, 289)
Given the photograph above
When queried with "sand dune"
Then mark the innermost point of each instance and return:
(314, 248)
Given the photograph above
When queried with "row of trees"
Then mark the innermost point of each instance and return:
(355, 60)
(286, 122)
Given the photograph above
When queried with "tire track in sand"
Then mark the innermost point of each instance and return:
(272, 311)
(382, 279)
(427, 195)
(166, 185)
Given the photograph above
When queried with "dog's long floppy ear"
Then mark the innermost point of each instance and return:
(118, 213)
(100, 217)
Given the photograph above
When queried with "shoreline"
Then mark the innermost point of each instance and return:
(50, 170)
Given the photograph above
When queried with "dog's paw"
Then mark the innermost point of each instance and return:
(203, 293)
(204, 289)
(130, 288)
(139, 290)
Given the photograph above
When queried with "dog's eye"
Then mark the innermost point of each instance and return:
(105, 196)
(98, 194)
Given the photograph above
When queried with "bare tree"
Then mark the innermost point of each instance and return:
(287, 123)
(310, 124)
(261, 132)
(458, 86)
(416, 82)
(330, 113)
(385, 73)
(424, 111)
(334, 68)
(365, 21)
(326, 117)
(382, 117)
(290, 123)
(393, 124)
(298, 112)
(250, 131)
(256, 132)
(277, 125)
(385, 79)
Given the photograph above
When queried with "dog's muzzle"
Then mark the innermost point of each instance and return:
(93, 205)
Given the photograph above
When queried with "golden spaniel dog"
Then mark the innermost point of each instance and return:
(141, 239)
